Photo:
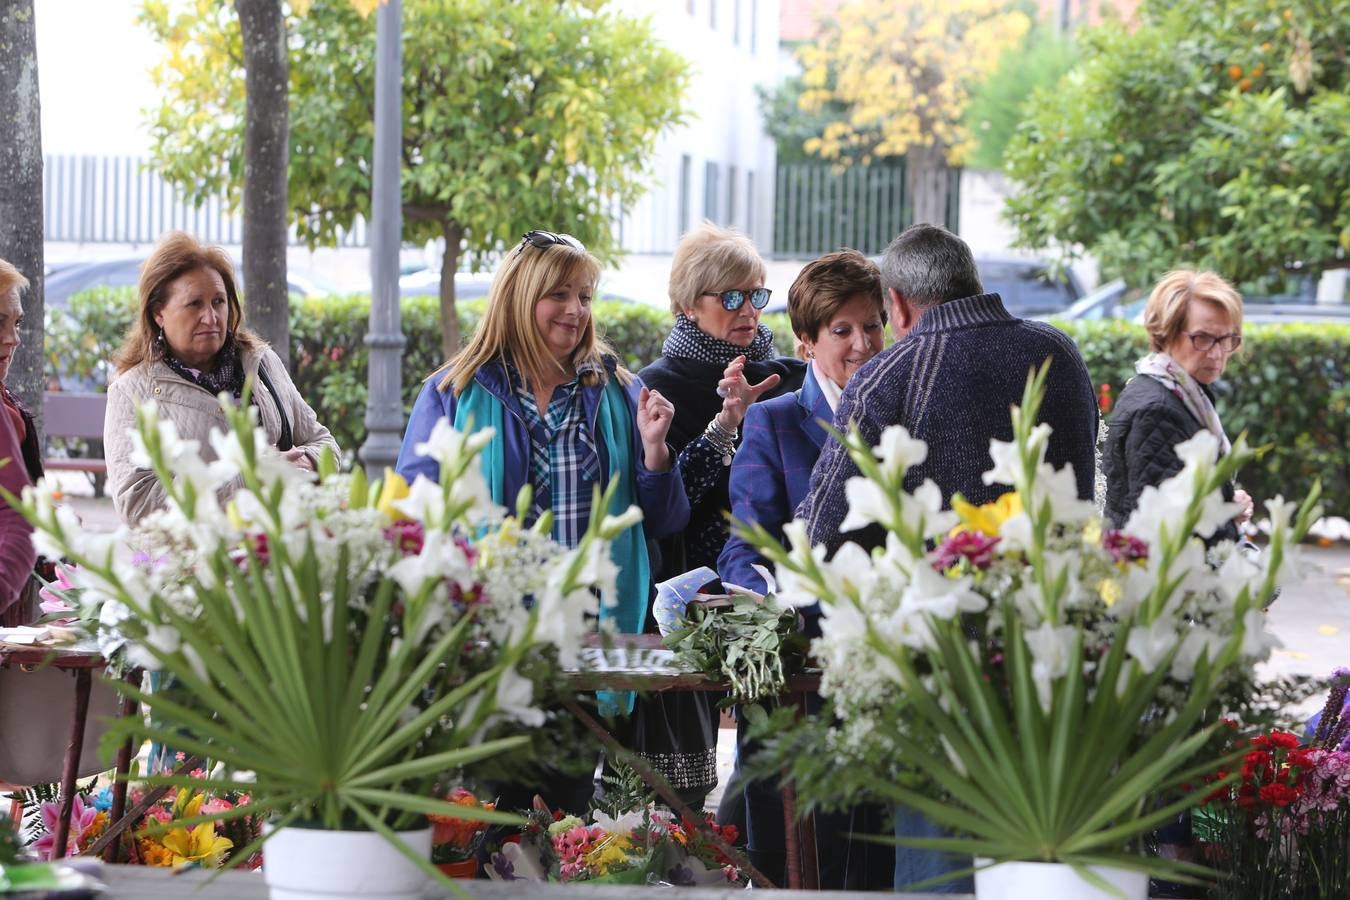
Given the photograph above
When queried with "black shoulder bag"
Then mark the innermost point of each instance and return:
(285, 442)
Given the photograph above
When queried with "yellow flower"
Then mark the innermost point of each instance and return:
(609, 852)
(395, 488)
(200, 845)
(1109, 591)
(153, 853)
(236, 520)
(988, 518)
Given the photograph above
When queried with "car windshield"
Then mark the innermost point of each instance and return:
(1025, 289)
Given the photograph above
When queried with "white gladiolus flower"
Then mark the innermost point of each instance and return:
(867, 504)
(1200, 450)
(612, 526)
(1257, 641)
(441, 557)
(515, 696)
(1150, 645)
(1060, 487)
(447, 446)
(1051, 649)
(425, 501)
(898, 452)
(925, 505)
(1199, 641)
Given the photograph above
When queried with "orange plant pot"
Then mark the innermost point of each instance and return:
(466, 868)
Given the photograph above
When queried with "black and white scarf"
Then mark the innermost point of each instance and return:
(227, 374)
(687, 341)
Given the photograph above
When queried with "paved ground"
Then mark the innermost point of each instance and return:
(1311, 618)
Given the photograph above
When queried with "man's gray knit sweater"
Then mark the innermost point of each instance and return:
(951, 382)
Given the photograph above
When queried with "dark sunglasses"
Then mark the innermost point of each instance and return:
(542, 239)
(734, 300)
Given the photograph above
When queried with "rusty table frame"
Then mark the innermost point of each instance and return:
(800, 836)
(83, 664)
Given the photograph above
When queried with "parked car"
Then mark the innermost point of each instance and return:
(1114, 300)
(1025, 285)
(125, 271)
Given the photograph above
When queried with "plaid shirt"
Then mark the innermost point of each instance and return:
(564, 462)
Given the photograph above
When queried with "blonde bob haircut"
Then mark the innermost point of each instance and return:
(712, 258)
(11, 278)
(176, 254)
(508, 329)
(1165, 312)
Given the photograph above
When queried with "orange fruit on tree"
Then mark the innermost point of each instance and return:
(1235, 72)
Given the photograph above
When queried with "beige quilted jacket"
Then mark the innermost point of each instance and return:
(194, 410)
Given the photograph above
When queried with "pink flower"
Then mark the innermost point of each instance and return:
(215, 805)
(81, 818)
(407, 535)
(1124, 547)
(974, 546)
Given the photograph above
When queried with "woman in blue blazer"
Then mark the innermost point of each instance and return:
(838, 316)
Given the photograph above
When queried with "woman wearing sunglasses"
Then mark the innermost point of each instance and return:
(716, 361)
(568, 418)
(1194, 323)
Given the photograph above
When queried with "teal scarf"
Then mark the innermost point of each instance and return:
(614, 424)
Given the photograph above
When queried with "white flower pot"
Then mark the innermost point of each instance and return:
(1055, 881)
(314, 864)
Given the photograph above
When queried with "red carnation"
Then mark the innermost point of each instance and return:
(1280, 795)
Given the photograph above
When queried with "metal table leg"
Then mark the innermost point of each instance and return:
(72, 762)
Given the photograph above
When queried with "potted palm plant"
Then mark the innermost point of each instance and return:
(1051, 682)
(335, 645)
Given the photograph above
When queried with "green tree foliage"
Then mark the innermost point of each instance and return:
(998, 104)
(521, 115)
(1212, 135)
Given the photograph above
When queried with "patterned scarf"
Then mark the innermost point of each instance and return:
(1173, 377)
(687, 341)
(227, 375)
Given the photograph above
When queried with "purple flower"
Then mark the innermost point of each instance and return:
(974, 546)
(407, 535)
(1124, 547)
(504, 868)
(1333, 728)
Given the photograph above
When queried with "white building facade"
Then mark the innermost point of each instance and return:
(719, 165)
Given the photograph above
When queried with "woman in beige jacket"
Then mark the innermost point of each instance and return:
(186, 346)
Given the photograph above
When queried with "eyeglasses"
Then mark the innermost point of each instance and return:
(1204, 342)
(542, 239)
(734, 300)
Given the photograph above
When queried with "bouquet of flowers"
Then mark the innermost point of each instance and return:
(1047, 677)
(456, 836)
(644, 846)
(1283, 829)
(347, 643)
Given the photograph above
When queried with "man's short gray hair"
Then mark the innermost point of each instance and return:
(928, 265)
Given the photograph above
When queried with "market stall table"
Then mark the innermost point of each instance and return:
(642, 663)
(82, 662)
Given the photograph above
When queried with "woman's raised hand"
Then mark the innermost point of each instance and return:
(654, 415)
(738, 394)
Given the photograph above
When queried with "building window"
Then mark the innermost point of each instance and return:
(710, 191)
(736, 23)
(686, 172)
(712, 14)
(731, 195)
(750, 203)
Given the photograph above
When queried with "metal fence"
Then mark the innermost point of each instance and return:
(121, 200)
(818, 210)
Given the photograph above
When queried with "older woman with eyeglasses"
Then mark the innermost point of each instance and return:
(716, 361)
(1194, 323)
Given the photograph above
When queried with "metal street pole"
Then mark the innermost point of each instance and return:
(384, 406)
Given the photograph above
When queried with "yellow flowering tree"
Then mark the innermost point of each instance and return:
(903, 73)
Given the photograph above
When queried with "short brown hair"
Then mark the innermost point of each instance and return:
(827, 284)
(11, 278)
(712, 258)
(1165, 312)
(176, 254)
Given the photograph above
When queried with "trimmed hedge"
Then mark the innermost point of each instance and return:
(1289, 387)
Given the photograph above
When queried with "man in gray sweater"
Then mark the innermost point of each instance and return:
(959, 362)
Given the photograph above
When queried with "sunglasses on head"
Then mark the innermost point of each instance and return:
(734, 300)
(543, 239)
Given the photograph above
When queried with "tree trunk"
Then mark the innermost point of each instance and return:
(926, 173)
(21, 190)
(449, 265)
(266, 155)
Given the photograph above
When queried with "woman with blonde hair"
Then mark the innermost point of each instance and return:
(1194, 324)
(567, 418)
(187, 345)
